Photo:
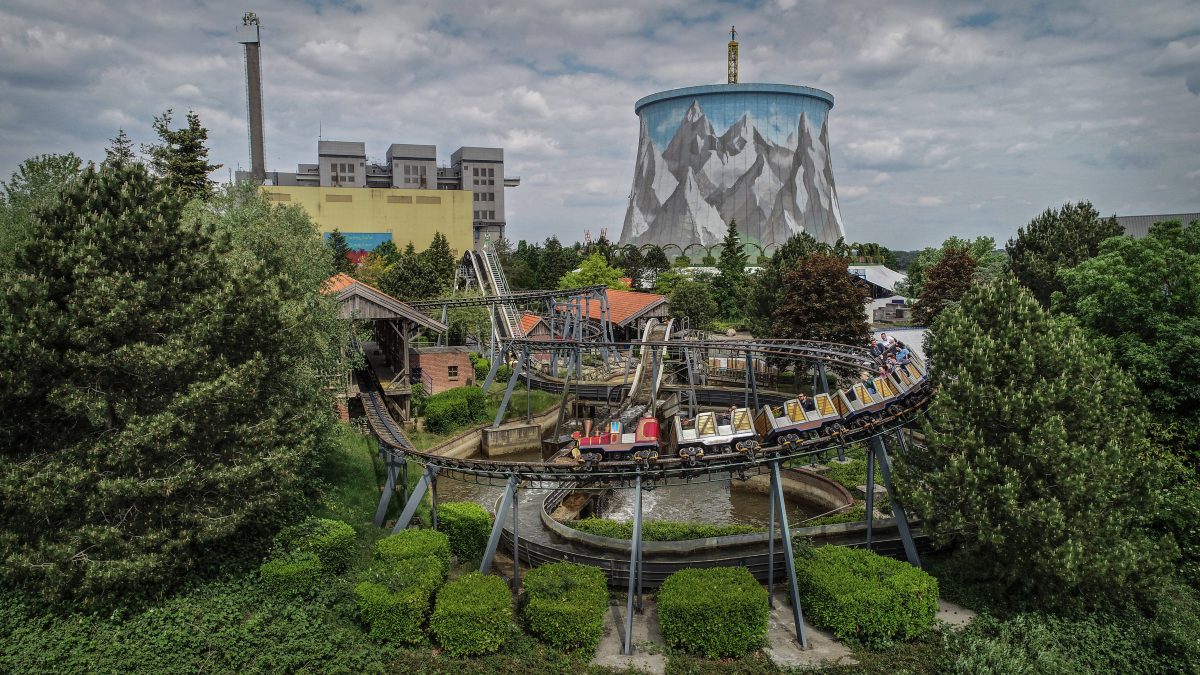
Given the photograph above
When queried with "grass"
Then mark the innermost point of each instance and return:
(537, 400)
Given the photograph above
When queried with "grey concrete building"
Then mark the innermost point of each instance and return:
(1139, 226)
(414, 167)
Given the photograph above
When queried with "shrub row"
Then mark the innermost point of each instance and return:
(565, 604)
(659, 530)
(468, 525)
(473, 615)
(410, 544)
(714, 612)
(455, 408)
(859, 595)
(305, 554)
(396, 597)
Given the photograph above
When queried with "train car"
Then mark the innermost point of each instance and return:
(711, 433)
(795, 419)
(618, 443)
(859, 403)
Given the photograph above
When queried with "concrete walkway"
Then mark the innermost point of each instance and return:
(648, 649)
(953, 615)
(784, 650)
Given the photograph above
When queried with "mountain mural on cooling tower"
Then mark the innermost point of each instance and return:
(687, 193)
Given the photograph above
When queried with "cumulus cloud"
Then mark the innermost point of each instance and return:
(940, 107)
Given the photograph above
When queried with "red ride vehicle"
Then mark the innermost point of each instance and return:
(616, 444)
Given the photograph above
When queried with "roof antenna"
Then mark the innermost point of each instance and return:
(733, 55)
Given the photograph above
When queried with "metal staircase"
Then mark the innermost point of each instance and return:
(494, 275)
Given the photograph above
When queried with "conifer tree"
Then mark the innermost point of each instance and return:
(169, 406)
(729, 287)
(1056, 240)
(440, 260)
(339, 252)
(181, 157)
(945, 284)
(1030, 460)
(119, 150)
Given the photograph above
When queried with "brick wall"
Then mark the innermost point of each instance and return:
(447, 369)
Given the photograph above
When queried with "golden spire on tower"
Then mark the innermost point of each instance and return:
(733, 56)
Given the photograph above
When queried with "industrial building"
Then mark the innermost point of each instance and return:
(405, 198)
(754, 153)
(1139, 226)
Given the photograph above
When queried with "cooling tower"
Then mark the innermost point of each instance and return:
(755, 153)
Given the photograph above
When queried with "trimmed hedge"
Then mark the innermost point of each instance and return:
(409, 544)
(472, 615)
(455, 408)
(396, 598)
(860, 595)
(659, 530)
(854, 514)
(565, 605)
(468, 525)
(293, 574)
(715, 612)
(332, 541)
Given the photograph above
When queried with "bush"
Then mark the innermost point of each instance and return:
(332, 541)
(659, 530)
(854, 514)
(455, 408)
(860, 595)
(565, 605)
(410, 544)
(468, 526)
(293, 574)
(396, 598)
(472, 615)
(716, 612)
(481, 366)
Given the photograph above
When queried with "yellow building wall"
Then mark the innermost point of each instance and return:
(407, 215)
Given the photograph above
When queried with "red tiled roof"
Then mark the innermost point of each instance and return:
(624, 306)
(529, 322)
(339, 282)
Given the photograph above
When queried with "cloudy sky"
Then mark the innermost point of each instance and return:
(964, 118)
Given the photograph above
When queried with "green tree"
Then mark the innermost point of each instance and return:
(594, 272)
(387, 251)
(694, 299)
(440, 260)
(817, 300)
(1139, 300)
(171, 409)
(181, 157)
(411, 277)
(656, 262)
(339, 252)
(1054, 241)
(553, 262)
(945, 284)
(35, 184)
(729, 287)
(764, 291)
(630, 260)
(989, 263)
(1031, 458)
(119, 150)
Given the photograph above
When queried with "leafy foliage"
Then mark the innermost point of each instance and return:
(594, 271)
(410, 544)
(854, 514)
(35, 185)
(859, 595)
(145, 348)
(693, 298)
(468, 525)
(1139, 300)
(332, 541)
(989, 263)
(293, 574)
(1026, 464)
(718, 611)
(473, 615)
(764, 286)
(1056, 240)
(729, 287)
(455, 408)
(396, 598)
(817, 300)
(180, 158)
(659, 530)
(945, 284)
(565, 605)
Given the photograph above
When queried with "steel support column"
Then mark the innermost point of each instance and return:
(910, 549)
(753, 382)
(635, 545)
(510, 491)
(508, 391)
(433, 499)
(414, 500)
(389, 487)
(492, 370)
(771, 556)
(516, 582)
(789, 560)
(870, 498)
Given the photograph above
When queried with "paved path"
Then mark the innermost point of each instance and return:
(648, 650)
(785, 651)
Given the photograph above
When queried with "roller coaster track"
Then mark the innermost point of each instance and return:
(518, 297)
(665, 468)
